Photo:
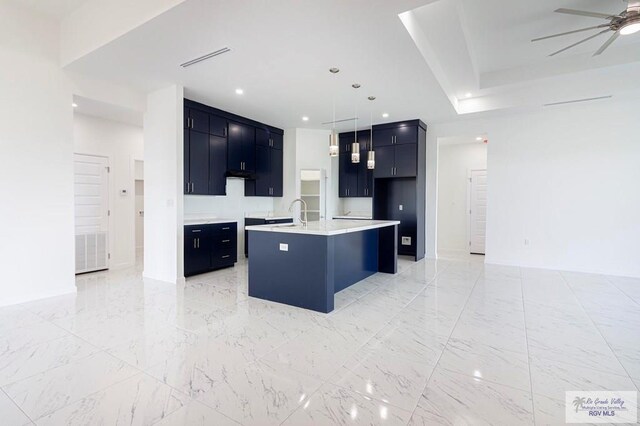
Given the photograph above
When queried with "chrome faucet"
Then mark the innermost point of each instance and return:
(304, 206)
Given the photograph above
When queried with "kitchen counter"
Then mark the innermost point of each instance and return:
(305, 267)
(326, 228)
(206, 220)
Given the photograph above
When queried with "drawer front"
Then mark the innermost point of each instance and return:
(196, 230)
(224, 228)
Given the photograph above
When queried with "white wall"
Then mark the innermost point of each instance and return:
(163, 183)
(565, 178)
(454, 165)
(36, 161)
(122, 144)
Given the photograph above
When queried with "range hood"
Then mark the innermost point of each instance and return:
(240, 174)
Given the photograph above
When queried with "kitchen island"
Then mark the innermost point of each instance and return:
(305, 266)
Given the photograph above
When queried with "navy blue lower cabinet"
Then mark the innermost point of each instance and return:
(210, 246)
(306, 270)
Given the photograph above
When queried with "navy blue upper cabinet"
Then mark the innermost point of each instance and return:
(355, 180)
(217, 126)
(268, 179)
(196, 120)
(217, 165)
(241, 155)
(199, 162)
(216, 142)
(396, 151)
(277, 141)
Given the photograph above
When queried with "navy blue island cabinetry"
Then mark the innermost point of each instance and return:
(306, 266)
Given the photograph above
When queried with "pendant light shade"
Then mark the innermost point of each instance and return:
(371, 155)
(371, 160)
(355, 146)
(334, 148)
(355, 152)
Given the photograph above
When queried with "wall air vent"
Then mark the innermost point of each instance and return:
(578, 100)
(205, 57)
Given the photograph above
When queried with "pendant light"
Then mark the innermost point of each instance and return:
(371, 155)
(355, 146)
(334, 148)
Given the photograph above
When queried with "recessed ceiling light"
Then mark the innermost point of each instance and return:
(385, 115)
(75, 105)
(479, 138)
(305, 118)
(239, 91)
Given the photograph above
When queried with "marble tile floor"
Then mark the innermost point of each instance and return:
(452, 341)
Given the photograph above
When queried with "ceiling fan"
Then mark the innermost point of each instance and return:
(625, 23)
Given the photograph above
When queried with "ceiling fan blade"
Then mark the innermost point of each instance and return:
(571, 32)
(607, 43)
(584, 13)
(580, 42)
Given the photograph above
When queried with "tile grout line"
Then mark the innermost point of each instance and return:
(17, 406)
(327, 381)
(526, 337)
(447, 342)
(598, 330)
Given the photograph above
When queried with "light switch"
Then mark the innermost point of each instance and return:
(284, 247)
(400, 207)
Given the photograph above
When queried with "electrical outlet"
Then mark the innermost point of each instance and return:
(284, 247)
(406, 241)
(400, 207)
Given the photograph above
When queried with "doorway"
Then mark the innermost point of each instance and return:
(139, 209)
(477, 211)
(91, 203)
(461, 196)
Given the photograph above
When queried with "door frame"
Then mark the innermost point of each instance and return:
(469, 189)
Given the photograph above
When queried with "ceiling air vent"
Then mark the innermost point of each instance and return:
(579, 100)
(205, 57)
(340, 121)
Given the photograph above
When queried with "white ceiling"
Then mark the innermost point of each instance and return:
(418, 57)
(55, 8)
(280, 55)
(484, 48)
(107, 111)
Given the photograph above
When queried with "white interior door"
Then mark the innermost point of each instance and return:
(91, 191)
(478, 212)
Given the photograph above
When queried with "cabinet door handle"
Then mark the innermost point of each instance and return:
(226, 241)
(224, 131)
(194, 242)
(196, 230)
(225, 256)
(226, 228)
(192, 187)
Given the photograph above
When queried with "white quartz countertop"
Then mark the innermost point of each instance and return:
(329, 227)
(206, 220)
